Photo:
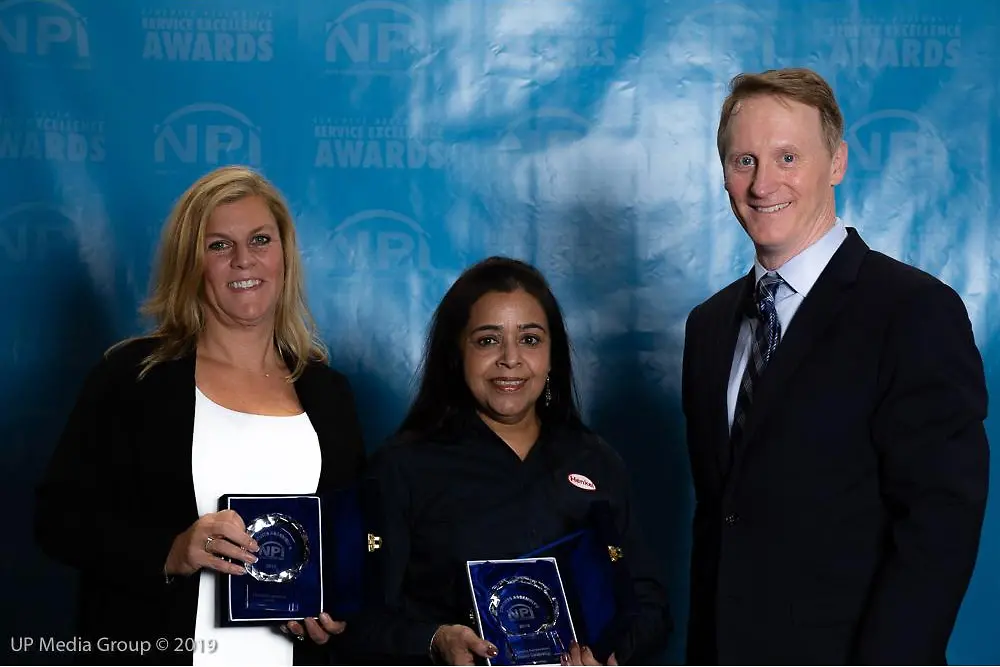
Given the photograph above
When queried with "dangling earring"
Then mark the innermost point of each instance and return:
(548, 392)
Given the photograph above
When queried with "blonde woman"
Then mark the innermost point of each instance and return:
(230, 393)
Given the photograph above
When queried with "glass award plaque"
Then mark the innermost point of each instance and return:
(286, 581)
(520, 606)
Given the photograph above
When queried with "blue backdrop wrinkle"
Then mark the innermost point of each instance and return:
(413, 137)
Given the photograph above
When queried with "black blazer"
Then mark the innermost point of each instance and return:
(461, 494)
(848, 529)
(119, 489)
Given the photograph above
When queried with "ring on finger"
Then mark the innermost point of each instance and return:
(208, 541)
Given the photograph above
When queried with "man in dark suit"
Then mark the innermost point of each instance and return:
(835, 401)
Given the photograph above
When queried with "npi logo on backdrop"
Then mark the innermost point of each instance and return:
(207, 134)
(44, 31)
(378, 241)
(725, 36)
(375, 37)
(542, 130)
(36, 233)
(541, 153)
(896, 137)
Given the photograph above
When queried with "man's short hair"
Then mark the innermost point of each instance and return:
(793, 83)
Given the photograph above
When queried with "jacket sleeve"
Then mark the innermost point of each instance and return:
(934, 461)
(651, 626)
(384, 629)
(84, 510)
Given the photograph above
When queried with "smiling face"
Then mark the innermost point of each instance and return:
(505, 355)
(780, 175)
(243, 264)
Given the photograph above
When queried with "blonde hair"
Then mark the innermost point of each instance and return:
(175, 303)
(794, 83)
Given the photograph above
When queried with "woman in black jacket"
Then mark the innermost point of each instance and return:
(492, 462)
(231, 393)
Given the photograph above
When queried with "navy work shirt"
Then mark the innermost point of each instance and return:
(466, 495)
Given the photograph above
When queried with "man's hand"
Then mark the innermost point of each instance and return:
(458, 645)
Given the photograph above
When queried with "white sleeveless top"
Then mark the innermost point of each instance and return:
(236, 452)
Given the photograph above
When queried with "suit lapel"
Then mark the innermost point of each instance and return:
(726, 329)
(310, 392)
(169, 393)
(817, 312)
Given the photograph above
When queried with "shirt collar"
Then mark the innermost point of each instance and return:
(802, 271)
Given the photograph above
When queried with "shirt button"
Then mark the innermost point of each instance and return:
(732, 519)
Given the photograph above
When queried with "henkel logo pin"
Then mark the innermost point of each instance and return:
(581, 482)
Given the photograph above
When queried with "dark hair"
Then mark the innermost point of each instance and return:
(443, 393)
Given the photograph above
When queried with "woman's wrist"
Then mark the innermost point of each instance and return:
(431, 649)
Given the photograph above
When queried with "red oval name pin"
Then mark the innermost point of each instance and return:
(581, 482)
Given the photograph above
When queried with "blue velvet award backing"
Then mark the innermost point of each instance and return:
(599, 590)
(344, 550)
(245, 600)
(508, 612)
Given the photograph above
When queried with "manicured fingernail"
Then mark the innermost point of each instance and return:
(491, 651)
(254, 546)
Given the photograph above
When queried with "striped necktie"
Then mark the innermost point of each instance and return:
(765, 341)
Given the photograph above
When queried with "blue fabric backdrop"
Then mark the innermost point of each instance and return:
(414, 137)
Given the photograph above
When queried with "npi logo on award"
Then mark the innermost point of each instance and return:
(44, 32)
(521, 612)
(375, 38)
(272, 550)
(378, 241)
(206, 134)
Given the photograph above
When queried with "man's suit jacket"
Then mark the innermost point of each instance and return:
(119, 489)
(847, 526)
